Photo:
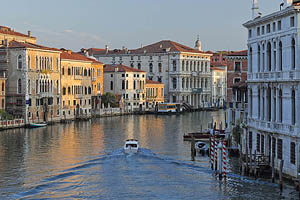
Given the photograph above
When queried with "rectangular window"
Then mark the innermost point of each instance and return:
(237, 66)
(292, 21)
(279, 25)
(250, 140)
(274, 146)
(293, 153)
(262, 144)
(258, 31)
(250, 33)
(279, 149)
(263, 30)
(258, 142)
(268, 28)
(111, 85)
(274, 26)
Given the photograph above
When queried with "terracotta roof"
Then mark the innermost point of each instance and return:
(152, 82)
(121, 68)
(9, 31)
(159, 47)
(16, 44)
(239, 53)
(68, 55)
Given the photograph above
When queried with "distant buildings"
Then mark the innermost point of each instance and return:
(127, 82)
(273, 86)
(184, 71)
(219, 85)
(78, 79)
(46, 84)
(237, 66)
(154, 94)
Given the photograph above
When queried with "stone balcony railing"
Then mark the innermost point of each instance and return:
(273, 127)
(274, 76)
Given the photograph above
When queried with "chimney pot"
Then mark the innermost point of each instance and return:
(29, 33)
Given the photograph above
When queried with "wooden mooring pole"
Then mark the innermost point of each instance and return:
(193, 150)
(273, 168)
(299, 184)
(280, 176)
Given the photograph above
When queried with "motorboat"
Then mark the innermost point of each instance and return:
(131, 146)
(37, 125)
(201, 147)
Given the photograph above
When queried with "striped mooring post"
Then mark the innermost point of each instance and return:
(216, 155)
(212, 152)
(224, 158)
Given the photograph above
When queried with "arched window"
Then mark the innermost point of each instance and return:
(36, 86)
(274, 104)
(36, 62)
(263, 57)
(183, 65)
(293, 107)
(3, 87)
(90, 90)
(85, 72)
(40, 63)
(69, 71)
(19, 86)
(280, 56)
(274, 56)
(131, 65)
(251, 102)
(139, 65)
(269, 51)
(151, 67)
(57, 87)
(258, 58)
(28, 62)
(85, 90)
(89, 72)
(280, 105)
(258, 107)
(269, 100)
(29, 87)
(293, 52)
(19, 62)
(174, 65)
(250, 59)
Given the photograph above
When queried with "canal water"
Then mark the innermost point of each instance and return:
(84, 160)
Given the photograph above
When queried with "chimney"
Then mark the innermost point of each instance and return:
(106, 49)
(29, 33)
(287, 3)
(254, 9)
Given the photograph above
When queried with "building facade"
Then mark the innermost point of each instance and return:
(237, 68)
(78, 81)
(219, 86)
(154, 94)
(184, 71)
(33, 76)
(127, 82)
(273, 86)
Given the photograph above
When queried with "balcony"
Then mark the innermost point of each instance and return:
(274, 76)
(46, 94)
(273, 127)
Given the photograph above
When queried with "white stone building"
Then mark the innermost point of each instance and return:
(219, 85)
(127, 82)
(184, 71)
(273, 85)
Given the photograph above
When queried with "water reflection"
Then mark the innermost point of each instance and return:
(84, 160)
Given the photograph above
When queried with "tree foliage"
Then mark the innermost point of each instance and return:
(109, 98)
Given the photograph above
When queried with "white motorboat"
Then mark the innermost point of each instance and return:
(201, 147)
(131, 146)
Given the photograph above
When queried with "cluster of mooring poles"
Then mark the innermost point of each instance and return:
(218, 156)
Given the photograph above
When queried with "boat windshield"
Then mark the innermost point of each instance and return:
(131, 145)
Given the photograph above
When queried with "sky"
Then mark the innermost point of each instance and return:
(76, 24)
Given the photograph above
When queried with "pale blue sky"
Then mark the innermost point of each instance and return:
(74, 24)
